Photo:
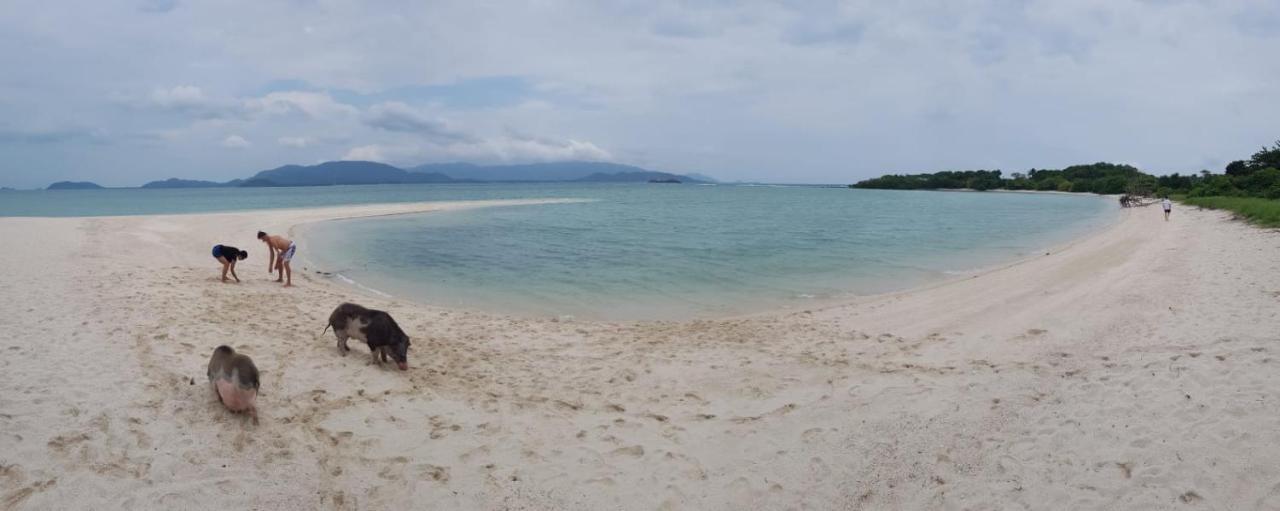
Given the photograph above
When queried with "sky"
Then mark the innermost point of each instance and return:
(124, 92)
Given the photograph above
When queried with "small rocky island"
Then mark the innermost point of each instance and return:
(74, 185)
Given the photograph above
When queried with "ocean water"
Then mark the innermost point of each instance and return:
(684, 251)
(638, 251)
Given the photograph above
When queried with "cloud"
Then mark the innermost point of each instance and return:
(432, 138)
(683, 27)
(840, 32)
(195, 102)
(514, 147)
(158, 6)
(505, 148)
(188, 100)
(235, 142)
(378, 153)
(313, 105)
(180, 97)
(49, 136)
(798, 91)
(293, 141)
(396, 116)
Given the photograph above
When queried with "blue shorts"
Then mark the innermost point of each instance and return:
(217, 251)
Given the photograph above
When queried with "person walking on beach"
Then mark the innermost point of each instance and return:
(228, 255)
(281, 254)
(1168, 206)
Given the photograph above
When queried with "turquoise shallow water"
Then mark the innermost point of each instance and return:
(673, 252)
(639, 251)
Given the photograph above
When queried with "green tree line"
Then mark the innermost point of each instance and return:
(1259, 177)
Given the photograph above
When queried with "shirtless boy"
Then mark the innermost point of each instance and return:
(281, 254)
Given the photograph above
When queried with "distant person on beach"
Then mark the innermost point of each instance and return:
(228, 255)
(281, 254)
(1168, 206)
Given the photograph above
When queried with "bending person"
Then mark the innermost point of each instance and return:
(228, 255)
(282, 251)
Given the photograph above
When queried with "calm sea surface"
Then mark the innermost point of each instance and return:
(639, 251)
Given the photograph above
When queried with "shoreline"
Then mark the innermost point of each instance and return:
(1129, 369)
(964, 275)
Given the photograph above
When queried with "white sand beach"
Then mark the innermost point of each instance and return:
(1138, 368)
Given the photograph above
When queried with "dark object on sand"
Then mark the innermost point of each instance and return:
(374, 327)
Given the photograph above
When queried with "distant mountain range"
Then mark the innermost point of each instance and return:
(174, 182)
(74, 185)
(366, 172)
(579, 171)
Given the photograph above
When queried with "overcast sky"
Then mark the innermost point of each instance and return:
(790, 91)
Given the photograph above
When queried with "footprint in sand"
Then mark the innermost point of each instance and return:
(697, 398)
(657, 417)
(12, 500)
(434, 472)
(634, 451)
(780, 411)
(603, 481)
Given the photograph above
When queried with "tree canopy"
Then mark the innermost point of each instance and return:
(1259, 176)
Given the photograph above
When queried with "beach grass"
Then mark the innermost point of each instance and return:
(1263, 212)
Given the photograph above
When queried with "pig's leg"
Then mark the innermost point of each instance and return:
(213, 384)
(342, 341)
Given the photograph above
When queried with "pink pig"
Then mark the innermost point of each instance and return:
(235, 380)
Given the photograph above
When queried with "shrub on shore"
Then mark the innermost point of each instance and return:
(1263, 212)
